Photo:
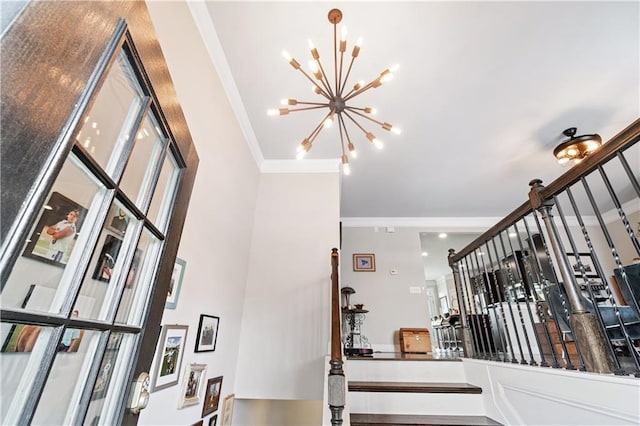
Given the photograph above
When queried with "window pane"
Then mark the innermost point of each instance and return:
(51, 254)
(102, 282)
(62, 392)
(23, 348)
(109, 384)
(141, 170)
(139, 280)
(164, 194)
(108, 126)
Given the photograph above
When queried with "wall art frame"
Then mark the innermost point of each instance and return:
(364, 262)
(207, 333)
(212, 396)
(176, 284)
(169, 355)
(192, 384)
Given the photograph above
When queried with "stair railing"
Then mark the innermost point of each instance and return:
(336, 380)
(557, 282)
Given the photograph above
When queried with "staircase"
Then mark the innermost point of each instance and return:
(395, 390)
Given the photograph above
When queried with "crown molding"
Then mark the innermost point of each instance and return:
(204, 23)
(439, 224)
(300, 166)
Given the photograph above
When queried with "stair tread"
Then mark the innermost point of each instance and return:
(413, 387)
(419, 420)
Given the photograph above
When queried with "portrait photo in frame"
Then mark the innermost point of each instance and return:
(117, 220)
(176, 283)
(207, 333)
(107, 259)
(212, 396)
(169, 356)
(55, 234)
(213, 420)
(364, 262)
(192, 384)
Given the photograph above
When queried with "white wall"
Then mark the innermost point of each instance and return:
(285, 326)
(265, 412)
(521, 395)
(217, 233)
(388, 298)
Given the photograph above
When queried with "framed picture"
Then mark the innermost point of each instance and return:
(213, 420)
(192, 384)
(587, 263)
(207, 333)
(117, 220)
(176, 283)
(169, 356)
(57, 230)
(107, 259)
(198, 423)
(227, 410)
(212, 396)
(364, 262)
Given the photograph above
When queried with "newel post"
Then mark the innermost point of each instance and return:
(336, 385)
(587, 331)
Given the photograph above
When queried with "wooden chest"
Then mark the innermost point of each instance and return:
(415, 340)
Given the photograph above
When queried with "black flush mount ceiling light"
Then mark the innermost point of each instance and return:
(576, 148)
(336, 96)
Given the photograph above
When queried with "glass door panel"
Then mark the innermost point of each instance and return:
(22, 353)
(57, 241)
(110, 379)
(163, 196)
(108, 126)
(103, 281)
(75, 354)
(142, 168)
(139, 280)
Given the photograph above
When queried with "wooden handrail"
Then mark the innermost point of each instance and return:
(609, 150)
(336, 347)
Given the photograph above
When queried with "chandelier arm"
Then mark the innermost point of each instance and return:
(308, 108)
(312, 103)
(341, 120)
(318, 128)
(322, 91)
(335, 57)
(359, 91)
(326, 80)
(355, 122)
(340, 124)
(344, 82)
(353, 110)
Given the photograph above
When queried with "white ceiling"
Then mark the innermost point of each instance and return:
(483, 92)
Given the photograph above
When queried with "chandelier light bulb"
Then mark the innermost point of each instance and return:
(378, 143)
(315, 89)
(343, 33)
(300, 155)
(396, 130)
(345, 165)
(352, 150)
(563, 160)
(328, 122)
(272, 112)
(286, 56)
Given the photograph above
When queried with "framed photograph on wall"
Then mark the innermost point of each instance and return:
(176, 284)
(227, 410)
(213, 420)
(212, 396)
(192, 384)
(107, 259)
(117, 220)
(207, 333)
(364, 262)
(587, 263)
(169, 356)
(56, 232)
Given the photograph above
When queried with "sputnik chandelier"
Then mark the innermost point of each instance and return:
(336, 97)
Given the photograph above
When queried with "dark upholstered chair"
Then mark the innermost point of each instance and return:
(630, 288)
(629, 317)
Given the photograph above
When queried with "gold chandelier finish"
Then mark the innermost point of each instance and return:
(336, 97)
(576, 148)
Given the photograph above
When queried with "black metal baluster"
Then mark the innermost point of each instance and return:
(497, 305)
(505, 299)
(476, 317)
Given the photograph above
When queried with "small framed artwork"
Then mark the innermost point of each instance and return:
(169, 356)
(212, 396)
(227, 410)
(176, 283)
(118, 220)
(192, 384)
(55, 234)
(587, 263)
(213, 420)
(364, 262)
(207, 333)
(198, 423)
